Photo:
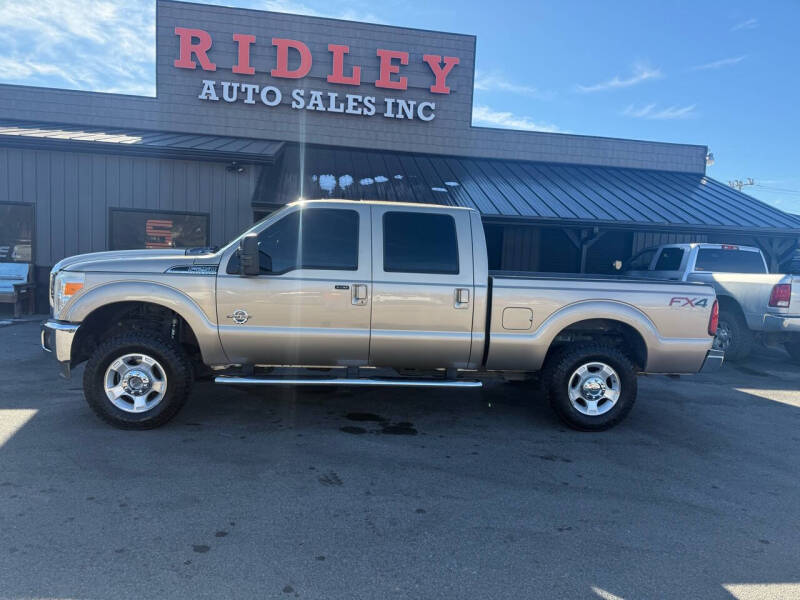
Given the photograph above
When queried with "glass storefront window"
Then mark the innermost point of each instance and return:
(16, 232)
(135, 229)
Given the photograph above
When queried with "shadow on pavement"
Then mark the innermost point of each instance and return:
(362, 494)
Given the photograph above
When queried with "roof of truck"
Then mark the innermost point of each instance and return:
(378, 202)
(711, 245)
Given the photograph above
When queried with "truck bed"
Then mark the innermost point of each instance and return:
(496, 274)
(528, 310)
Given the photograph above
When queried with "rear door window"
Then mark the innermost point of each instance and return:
(669, 260)
(729, 261)
(419, 243)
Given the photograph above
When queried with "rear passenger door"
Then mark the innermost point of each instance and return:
(423, 287)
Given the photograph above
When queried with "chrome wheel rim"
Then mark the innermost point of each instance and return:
(722, 340)
(594, 388)
(135, 383)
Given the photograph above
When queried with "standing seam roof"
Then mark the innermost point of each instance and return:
(506, 188)
(157, 143)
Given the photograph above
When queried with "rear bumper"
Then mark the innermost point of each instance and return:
(775, 323)
(713, 361)
(56, 338)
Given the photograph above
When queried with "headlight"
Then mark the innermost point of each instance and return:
(51, 287)
(66, 285)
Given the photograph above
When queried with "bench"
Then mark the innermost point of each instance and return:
(16, 286)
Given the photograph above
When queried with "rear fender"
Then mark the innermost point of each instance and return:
(515, 351)
(204, 329)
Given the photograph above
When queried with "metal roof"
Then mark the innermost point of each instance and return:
(585, 195)
(131, 141)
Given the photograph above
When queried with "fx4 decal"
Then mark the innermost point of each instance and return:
(683, 301)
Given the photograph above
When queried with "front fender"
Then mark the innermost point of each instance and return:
(205, 330)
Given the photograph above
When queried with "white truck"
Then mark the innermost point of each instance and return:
(350, 288)
(753, 303)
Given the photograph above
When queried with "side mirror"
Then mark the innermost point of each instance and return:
(249, 264)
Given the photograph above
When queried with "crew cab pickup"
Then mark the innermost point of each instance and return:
(753, 303)
(337, 293)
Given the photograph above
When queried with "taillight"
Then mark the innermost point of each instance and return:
(781, 295)
(713, 320)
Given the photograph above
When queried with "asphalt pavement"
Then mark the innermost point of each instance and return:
(364, 494)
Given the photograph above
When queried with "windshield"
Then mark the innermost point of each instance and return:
(251, 227)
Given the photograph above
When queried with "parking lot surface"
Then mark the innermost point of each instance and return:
(282, 493)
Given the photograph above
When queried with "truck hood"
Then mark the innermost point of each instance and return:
(134, 261)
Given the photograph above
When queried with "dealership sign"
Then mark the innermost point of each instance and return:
(194, 46)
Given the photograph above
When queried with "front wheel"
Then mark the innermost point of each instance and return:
(137, 380)
(591, 388)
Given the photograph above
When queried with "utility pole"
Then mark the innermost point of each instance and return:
(739, 184)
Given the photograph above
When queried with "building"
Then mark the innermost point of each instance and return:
(255, 109)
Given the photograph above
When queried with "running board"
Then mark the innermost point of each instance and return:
(425, 383)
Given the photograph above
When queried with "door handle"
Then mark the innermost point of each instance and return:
(462, 298)
(360, 294)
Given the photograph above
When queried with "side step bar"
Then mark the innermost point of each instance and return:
(424, 383)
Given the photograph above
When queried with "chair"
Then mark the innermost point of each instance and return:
(16, 286)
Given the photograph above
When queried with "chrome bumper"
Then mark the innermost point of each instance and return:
(57, 338)
(713, 361)
(775, 323)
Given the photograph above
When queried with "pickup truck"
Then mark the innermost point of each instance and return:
(335, 293)
(753, 303)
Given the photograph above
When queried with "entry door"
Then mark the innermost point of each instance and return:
(311, 303)
(423, 287)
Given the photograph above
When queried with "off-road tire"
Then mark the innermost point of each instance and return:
(741, 338)
(176, 366)
(559, 369)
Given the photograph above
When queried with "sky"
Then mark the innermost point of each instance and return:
(717, 73)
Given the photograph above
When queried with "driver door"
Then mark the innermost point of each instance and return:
(311, 303)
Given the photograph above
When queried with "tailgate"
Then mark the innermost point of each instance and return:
(794, 300)
(794, 303)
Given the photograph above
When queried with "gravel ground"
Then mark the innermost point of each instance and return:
(354, 494)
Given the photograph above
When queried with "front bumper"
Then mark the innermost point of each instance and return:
(775, 323)
(713, 361)
(57, 337)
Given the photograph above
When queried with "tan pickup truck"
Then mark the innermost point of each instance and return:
(356, 290)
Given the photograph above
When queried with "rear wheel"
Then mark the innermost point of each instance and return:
(591, 388)
(793, 348)
(733, 337)
(137, 380)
